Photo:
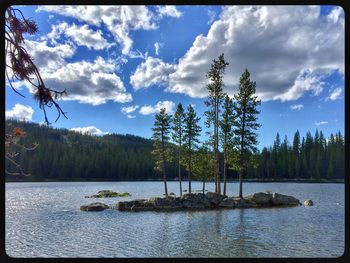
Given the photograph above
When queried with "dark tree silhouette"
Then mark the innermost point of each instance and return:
(20, 65)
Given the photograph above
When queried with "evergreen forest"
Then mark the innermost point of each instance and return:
(65, 155)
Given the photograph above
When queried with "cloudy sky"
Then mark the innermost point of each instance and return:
(121, 64)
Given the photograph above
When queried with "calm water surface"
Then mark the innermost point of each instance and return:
(44, 220)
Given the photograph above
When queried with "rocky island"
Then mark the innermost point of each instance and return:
(200, 201)
(108, 193)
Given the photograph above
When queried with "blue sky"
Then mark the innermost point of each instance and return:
(119, 65)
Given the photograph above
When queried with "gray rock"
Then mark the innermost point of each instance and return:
(108, 193)
(279, 199)
(195, 201)
(244, 203)
(308, 202)
(261, 198)
(215, 198)
(94, 207)
(127, 205)
(167, 203)
(227, 202)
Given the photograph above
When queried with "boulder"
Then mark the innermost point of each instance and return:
(108, 193)
(244, 203)
(261, 198)
(127, 205)
(94, 207)
(194, 201)
(215, 198)
(167, 203)
(308, 202)
(279, 199)
(142, 206)
(227, 202)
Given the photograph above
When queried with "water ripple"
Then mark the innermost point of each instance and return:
(44, 220)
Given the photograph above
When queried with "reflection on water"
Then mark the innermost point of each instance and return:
(44, 220)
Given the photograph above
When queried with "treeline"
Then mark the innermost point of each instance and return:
(70, 156)
(313, 157)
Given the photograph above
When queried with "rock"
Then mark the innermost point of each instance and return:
(261, 198)
(195, 201)
(167, 203)
(279, 199)
(227, 202)
(136, 205)
(308, 202)
(108, 193)
(244, 203)
(215, 198)
(94, 207)
(210, 200)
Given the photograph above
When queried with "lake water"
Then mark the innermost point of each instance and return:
(44, 220)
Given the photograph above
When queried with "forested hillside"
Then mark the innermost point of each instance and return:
(67, 156)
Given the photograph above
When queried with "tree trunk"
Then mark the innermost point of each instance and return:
(240, 185)
(216, 145)
(203, 187)
(180, 171)
(216, 184)
(163, 157)
(225, 163)
(225, 172)
(241, 157)
(189, 173)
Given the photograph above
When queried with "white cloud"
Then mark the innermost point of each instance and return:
(49, 58)
(89, 130)
(211, 16)
(149, 109)
(81, 35)
(119, 20)
(131, 116)
(129, 109)
(151, 72)
(157, 46)
(336, 14)
(335, 94)
(296, 107)
(321, 123)
(287, 49)
(305, 81)
(168, 10)
(87, 82)
(20, 112)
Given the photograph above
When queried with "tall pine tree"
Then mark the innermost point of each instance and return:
(245, 125)
(161, 132)
(191, 133)
(226, 133)
(178, 130)
(214, 101)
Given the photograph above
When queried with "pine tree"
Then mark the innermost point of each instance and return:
(178, 129)
(161, 131)
(276, 156)
(296, 154)
(203, 164)
(226, 133)
(214, 101)
(322, 153)
(191, 133)
(308, 148)
(245, 125)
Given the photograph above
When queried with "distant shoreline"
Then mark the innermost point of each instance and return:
(172, 180)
